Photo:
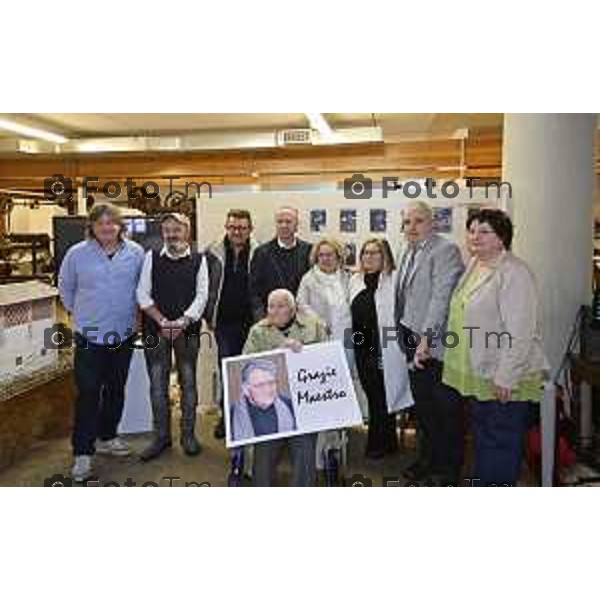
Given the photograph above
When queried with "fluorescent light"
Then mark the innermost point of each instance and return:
(317, 121)
(33, 132)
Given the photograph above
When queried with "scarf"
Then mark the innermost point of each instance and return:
(241, 421)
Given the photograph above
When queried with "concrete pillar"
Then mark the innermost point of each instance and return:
(549, 161)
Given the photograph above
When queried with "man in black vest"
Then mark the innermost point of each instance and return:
(280, 263)
(172, 292)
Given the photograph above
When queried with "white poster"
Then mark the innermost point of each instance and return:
(280, 393)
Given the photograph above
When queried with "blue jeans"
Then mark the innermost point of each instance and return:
(498, 438)
(100, 376)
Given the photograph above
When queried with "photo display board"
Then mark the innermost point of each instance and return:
(327, 213)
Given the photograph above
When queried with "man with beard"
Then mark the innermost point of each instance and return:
(172, 292)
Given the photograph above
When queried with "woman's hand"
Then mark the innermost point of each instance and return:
(422, 354)
(293, 345)
(503, 394)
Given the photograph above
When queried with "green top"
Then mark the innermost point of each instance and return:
(305, 328)
(458, 372)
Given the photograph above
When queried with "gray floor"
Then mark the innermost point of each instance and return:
(210, 466)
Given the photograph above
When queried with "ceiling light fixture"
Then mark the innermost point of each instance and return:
(317, 121)
(32, 132)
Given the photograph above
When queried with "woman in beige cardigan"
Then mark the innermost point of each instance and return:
(493, 352)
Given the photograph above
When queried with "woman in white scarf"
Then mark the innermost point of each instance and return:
(324, 291)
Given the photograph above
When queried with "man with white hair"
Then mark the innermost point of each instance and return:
(429, 269)
(285, 327)
(280, 263)
(262, 409)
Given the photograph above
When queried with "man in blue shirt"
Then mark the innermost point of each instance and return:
(97, 283)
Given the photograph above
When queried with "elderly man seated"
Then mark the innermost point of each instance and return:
(283, 327)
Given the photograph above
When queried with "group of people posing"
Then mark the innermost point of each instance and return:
(466, 336)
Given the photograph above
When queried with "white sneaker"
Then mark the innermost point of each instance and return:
(82, 468)
(115, 447)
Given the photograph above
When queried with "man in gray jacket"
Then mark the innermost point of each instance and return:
(429, 269)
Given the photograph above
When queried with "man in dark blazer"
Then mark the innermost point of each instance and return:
(280, 263)
(429, 269)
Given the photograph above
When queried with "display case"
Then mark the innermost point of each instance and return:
(27, 314)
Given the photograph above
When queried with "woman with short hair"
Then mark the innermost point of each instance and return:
(324, 290)
(498, 363)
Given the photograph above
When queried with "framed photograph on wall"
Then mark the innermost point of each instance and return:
(350, 254)
(348, 218)
(318, 220)
(378, 220)
(442, 219)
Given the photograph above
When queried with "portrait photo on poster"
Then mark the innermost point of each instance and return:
(259, 397)
(280, 393)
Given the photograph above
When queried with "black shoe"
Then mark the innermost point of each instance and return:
(190, 444)
(417, 471)
(219, 431)
(235, 478)
(236, 475)
(155, 449)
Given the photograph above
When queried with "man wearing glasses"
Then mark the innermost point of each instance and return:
(229, 311)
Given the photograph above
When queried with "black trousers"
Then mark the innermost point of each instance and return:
(100, 376)
(438, 409)
(302, 450)
(159, 361)
(382, 435)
